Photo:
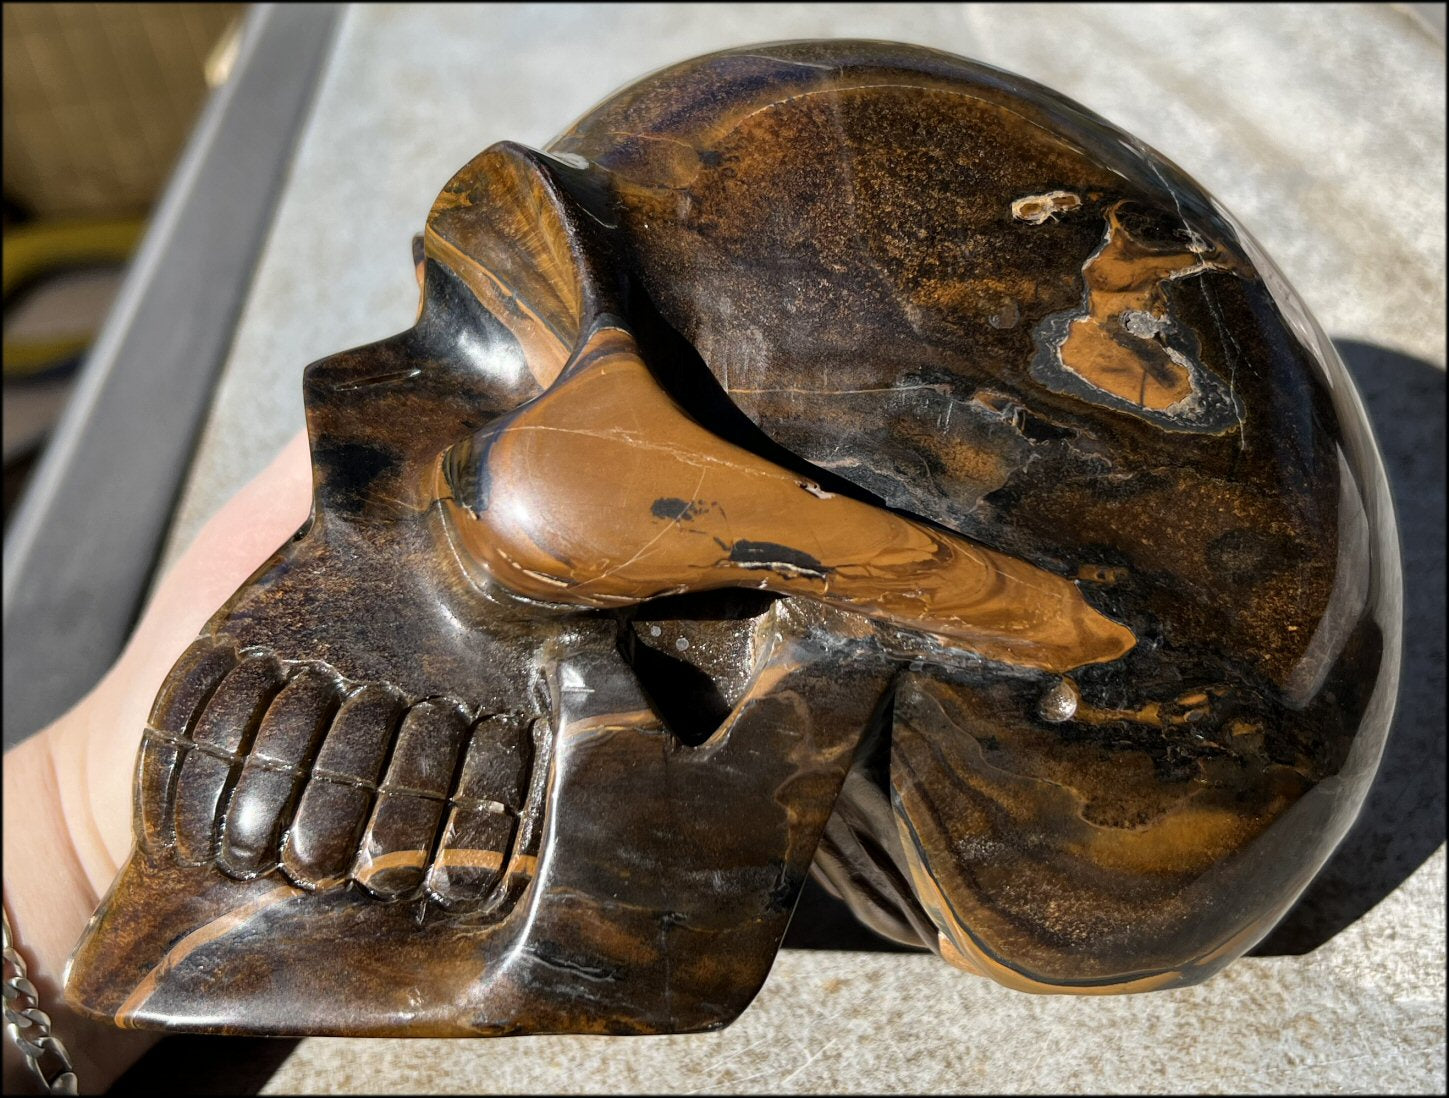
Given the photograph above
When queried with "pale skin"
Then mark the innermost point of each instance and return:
(68, 788)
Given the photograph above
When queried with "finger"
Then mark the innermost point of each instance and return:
(226, 551)
(97, 741)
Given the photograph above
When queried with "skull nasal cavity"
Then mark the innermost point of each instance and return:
(693, 655)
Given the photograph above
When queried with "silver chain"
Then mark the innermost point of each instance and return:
(29, 1026)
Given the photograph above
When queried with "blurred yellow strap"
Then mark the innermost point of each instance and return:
(37, 249)
(33, 356)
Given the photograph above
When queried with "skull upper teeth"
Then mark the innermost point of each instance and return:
(268, 764)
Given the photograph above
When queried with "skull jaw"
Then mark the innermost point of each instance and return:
(665, 874)
(259, 958)
(667, 926)
(336, 965)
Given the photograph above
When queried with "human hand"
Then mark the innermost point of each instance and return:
(67, 814)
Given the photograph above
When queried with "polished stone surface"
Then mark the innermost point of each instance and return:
(1391, 272)
(1099, 719)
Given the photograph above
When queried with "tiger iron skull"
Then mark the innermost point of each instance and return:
(831, 453)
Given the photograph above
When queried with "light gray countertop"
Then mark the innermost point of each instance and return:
(1321, 127)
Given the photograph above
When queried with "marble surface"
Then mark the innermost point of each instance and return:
(1322, 129)
(1357, 1016)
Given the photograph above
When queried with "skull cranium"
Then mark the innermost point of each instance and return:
(836, 452)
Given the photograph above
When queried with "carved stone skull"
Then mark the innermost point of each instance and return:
(835, 453)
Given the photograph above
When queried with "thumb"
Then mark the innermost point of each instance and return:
(94, 745)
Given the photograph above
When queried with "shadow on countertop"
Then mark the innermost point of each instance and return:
(1403, 819)
(1402, 823)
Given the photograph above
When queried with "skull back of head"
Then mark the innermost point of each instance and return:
(829, 450)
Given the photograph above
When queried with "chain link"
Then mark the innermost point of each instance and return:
(29, 1026)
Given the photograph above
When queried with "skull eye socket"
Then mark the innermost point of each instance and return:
(679, 369)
